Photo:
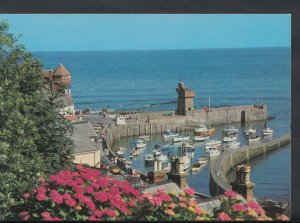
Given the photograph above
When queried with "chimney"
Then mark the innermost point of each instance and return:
(242, 184)
(177, 174)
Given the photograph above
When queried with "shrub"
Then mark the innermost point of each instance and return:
(83, 194)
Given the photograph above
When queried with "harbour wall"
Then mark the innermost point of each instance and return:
(221, 165)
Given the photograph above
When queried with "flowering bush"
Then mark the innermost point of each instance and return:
(85, 195)
(163, 206)
(232, 208)
(80, 195)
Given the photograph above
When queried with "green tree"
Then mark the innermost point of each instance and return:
(33, 135)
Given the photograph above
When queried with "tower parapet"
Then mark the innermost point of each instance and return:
(185, 104)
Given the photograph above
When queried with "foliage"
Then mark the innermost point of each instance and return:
(33, 136)
(84, 194)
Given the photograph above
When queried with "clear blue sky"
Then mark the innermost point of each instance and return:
(149, 31)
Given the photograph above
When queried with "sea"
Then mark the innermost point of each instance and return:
(146, 80)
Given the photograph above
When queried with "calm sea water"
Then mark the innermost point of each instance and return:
(135, 80)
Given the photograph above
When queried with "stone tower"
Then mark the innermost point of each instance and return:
(242, 184)
(185, 104)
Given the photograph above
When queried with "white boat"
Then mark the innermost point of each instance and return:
(149, 158)
(140, 144)
(213, 143)
(167, 167)
(189, 152)
(253, 140)
(144, 137)
(188, 145)
(120, 153)
(163, 158)
(121, 148)
(233, 145)
(181, 138)
(167, 146)
(186, 162)
(250, 131)
(229, 138)
(133, 154)
(267, 132)
(169, 135)
(213, 152)
(196, 167)
(230, 130)
(156, 152)
(203, 160)
(201, 138)
(201, 130)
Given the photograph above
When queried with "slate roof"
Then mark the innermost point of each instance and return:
(82, 133)
(96, 119)
(61, 70)
(64, 101)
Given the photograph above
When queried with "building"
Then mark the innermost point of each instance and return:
(58, 80)
(185, 104)
(65, 104)
(87, 147)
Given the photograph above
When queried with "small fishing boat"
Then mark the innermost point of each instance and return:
(229, 138)
(196, 167)
(167, 146)
(140, 144)
(213, 152)
(120, 153)
(163, 158)
(267, 132)
(213, 143)
(201, 138)
(233, 145)
(133, 154)
(188, 145)
(149, 158)
(254, 139)
(144, 137)
(189, 152)
(186, 162)
(250, 131)
(169, 135)
(181, 138)
(230, 130)
(201, 130)
(167, 167)
(156, 152)
(203, 160)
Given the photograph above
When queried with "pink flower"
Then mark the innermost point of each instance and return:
(101, 196)
(70, 202)
(79, 167)
(45, 214)
(89, 190)
(198, 211)
(224, 217)
(102, 182)
(41, 197)
(26, 195)
(98, 213)
(66, 196)
(181, 198)
(92, 218)
(172, 205)
(230, 193)
(181, 204)
(189, 191)
(157, 201)
(239, 207)
(42, 180)
(256, 207)
(95, 185)
(24, 215)
(90, 205)
(56, 197)
(110, 213)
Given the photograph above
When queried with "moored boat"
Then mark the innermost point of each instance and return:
(250, 131)
(201, 138)
(230, 138)
(213, 152)
(144, 137)
(186, 162)
(213, 143)
(196, 167)
(233, 145)
(203, 160)
(167, 146)
(156, 152)
(267, 132)
(169, 135)
(149, 158)
(254, 139)
(230, 130)
(181, 138)
(140, 144)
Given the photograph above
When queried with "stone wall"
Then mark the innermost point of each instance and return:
(221, 165)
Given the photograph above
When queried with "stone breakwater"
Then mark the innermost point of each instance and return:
(221, 165)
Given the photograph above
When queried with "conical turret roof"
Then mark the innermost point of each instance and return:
(61, 70)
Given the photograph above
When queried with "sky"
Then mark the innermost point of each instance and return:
(85, 32)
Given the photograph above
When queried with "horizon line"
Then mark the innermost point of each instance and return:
(217, 48)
